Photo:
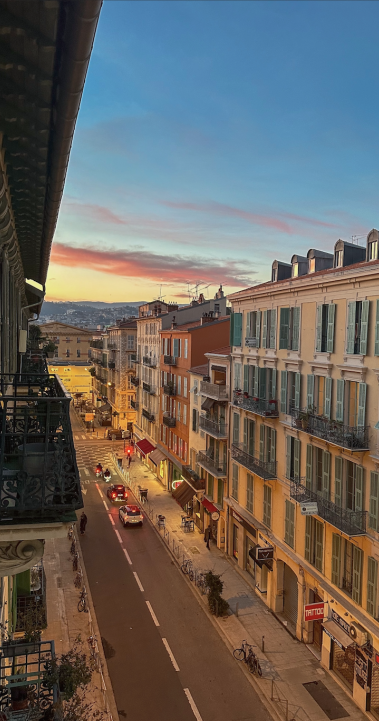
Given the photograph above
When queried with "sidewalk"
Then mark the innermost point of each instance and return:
(287, 664)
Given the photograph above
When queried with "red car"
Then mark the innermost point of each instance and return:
(117, 493)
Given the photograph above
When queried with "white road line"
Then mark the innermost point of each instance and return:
(111, 519)
(127, 556)
(192, 704)
(118, 536)
(105, 505)
(86, 471)
(172, 657)
(140, 586)
(153, 616)
(76, 438)
(84, 437)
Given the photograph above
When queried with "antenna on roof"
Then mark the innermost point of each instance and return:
(356, 238)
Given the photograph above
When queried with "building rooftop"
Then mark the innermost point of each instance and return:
(226, 350)
(196, 324)
(200, 370)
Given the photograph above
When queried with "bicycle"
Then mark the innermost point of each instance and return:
(75, 561)
(73, 547)
(92, 645)
(82, 603)
(187, 569)
(78, 580)
(70, 534)
(201, 583)
(246, 654)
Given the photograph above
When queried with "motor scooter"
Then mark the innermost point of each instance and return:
(99, 471)
(107, 476)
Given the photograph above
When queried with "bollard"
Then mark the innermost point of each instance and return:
(263, 644)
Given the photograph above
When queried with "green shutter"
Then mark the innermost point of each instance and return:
(297, 390)
(328, 397)
(256, 381)
(309, 467)
(296, 328)
(330, 336)
(262, 443)
(359, 488)
(245, 434)
(376, 350)
(273, 329)
(231, 329)
(338, 475)
(246, 378)
(310, 390)
(326, 474)
(288, 456)
(296, 459)
(357, 574)
(272, 445)
(336, 559)
(264, 338)
(374, 501)
(364, 327)
(262, 383)
(283, 391)
(319, 534)
(237, 376)
(362, 404)
(248, 325)
(267, 505)
(273, 384)
(284, 328)
(372, 584)
(319, 328)
(351, 310)
(237, 329)
(236, 427)
(289, 523)
(258, 328)
(340, 399)
(308, 531)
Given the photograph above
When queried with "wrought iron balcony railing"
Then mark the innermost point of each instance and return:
(111, 365)
(169, 420)
(355, 438)
(169, 389)
(214, 390)
(96, 344)
(148, 388)
(39, 478)
(151, 362)
(352, 523)
(216, 429)
(150, 416)
(134, 404)
(22, 678)
(34, 362)
(260, 406)
(136, 358)
(134, 381)
(216, 467)
(263, 469)
(169, 360)
(112, 346)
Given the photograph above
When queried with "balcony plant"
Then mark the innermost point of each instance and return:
(71, 671)
(49, 348)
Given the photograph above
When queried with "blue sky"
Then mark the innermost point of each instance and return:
(214, 137)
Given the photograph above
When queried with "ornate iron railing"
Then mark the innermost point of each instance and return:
(150, 416)
(217, 429)
(34, 362)
(134, 404)
(39, 478)
(134, 381)
(169, 389)
(148, 388)
(214, 466)
(169, 360)
(22, 676)
(352, 523)
(356, 438)
(260, 406)
(169, 421)
(151, 362)
(264, 469)
(213, 390)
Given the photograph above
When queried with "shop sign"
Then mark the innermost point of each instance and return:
(309, 509)
(361, 668)
(332, 637)
(314, 611)
(341, 622)
(215, 516)
(175, 484)
(89, 416)
(264, 554)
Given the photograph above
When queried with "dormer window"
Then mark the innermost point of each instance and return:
(274, 275)
(312, 265)
(295, 270)
(373, 250)
(338, 259)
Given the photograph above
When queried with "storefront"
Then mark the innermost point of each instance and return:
(316, 637)
(211, 518)
(290, 595)
(342, 649)
(143, 448)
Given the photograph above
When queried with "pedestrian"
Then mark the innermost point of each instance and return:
(83, 523)
(207, 536)
(129, 461)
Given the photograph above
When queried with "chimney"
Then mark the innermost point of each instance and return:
(174, 323)
(201, 298)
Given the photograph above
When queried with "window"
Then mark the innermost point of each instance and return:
(312, 265)
(289, 328)
(293, 459)
(338, 259)
(67, 353)
(195, 420)
(289, 525)
(234, 482)
(357, 327)
(373, 516)
(248, 436)
(130, 342)
(347, 562)
(237, 376)
(249, 493)
(269, 329)
(195, 392)
(220, 492)
(372, 586)
(236, 329)
(186, 347)
(373, 250)
(267, 505)
(295, 270)
(325, 318)
(78, 353)
(314, 535)
(78, 339)
(176, 344)
(351, 403)
(290, 386)
(349, 488)
(320, 395)
(179, 385)
(236, 427)
(184, 414)
(253, 328)
(317, 476)
(178, 410)
(185, 385)
(267, 444)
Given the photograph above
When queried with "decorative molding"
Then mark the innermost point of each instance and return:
(270, 362)
(18, 556)
(293, 365)
(253, 360)
(321, 367)
(352, 371)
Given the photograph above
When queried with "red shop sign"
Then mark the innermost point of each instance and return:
(314, 611)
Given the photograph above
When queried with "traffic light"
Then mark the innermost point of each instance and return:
(128, 452)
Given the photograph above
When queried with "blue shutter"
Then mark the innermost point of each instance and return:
(237, 332)
(284, 330)
(310, 391)
(340, 399)
(296, 328)
(364, 327)
(273, 384)
(246, 378)
(297, 390)
(283, 391)
(319, 328)
(362, 404)
(328, 397)
(330, 335)
(262, 383)
(264, 337)
(351, 310)
(248, 325)
(256, 382)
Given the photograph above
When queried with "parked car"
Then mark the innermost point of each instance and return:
(114, 434)
(130, 515)
(117, 492)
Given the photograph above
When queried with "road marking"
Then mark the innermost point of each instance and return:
(105, 505)
(192, 704)
(172, 657)
(76, 438)
(86, 471)
(118, 536)
(111, 519)
(140, 586)
(84, 437)
(84, 491)
(153, 616)
(127, 556)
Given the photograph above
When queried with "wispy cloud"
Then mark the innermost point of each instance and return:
(152, 266)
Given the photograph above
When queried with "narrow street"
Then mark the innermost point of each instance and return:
(165, 658)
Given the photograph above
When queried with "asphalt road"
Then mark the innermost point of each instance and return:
(165, 658)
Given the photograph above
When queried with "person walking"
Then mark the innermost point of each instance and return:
(129, 461)
(207, 536)
(83, 523)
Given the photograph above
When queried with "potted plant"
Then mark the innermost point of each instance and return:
(49, 348)
(70, 672)
(304, 419)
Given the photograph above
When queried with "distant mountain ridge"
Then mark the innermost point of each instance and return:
(49, 306)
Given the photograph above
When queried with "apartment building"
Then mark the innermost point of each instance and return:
(72, 342)
(303, 490)
(75, 376)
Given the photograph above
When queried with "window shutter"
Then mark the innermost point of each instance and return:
(328, 396)
(246, 378)
(340, 399)
(336, 559)
(272, 445)
(290, 524)
(296, 328)
(376, 350)
(264, 338)
(237, 376)
(245, 434)
(296, 459)
(319, 328)
(362, 404)
(319, 528)
(357, 575)
(325, 474)
(262, 383)
(262, 443)
(248, 325)
(236, 427)
(283, 391)
(330, 335)
(338, 475)
(351, 310)
(288, 456)
(308, 468)
(176, 347)
(359, 483)
(310, 390)
(194, 419)
(284, 328)
(273, 384)
(273, 329)
(258, 328)
(297, 390)
(256, 381)
(308, 531)
(237, 329)
(372, 584)
(364, 327)
(267, 505)
(287, 521)
(374, 501)
(231, 329)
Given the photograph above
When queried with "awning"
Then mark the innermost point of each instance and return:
(253, 555)
(209, 506)
(105, 408)
(207, 404)
(337, 634)
(183, 494)
(145, 447)
(157, 456)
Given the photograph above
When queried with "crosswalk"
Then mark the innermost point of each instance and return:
(88, 455)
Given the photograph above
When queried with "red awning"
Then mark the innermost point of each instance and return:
(209, 506)
(145, 447)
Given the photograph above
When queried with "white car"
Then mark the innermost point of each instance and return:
(130, 515)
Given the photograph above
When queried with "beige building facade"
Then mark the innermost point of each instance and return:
(72, 342)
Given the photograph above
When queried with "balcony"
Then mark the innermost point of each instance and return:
(136, 358)
(213, 428)
(151, 362)
(352, 523)
(355, 438)
(134, 381)
(169, 360)
(112, 346)
(263, 469)
(35, 601)
(191, 476)
(148, 388)
(150, 416)
(96, 344)
(39, 478)
(169, 389)
(22, 674)
(214, 390)
(111, 365)
(134, 404)
(214, 466)
(169, 420)
(34, 362)
(260, 406)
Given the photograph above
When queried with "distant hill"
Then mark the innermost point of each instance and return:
(49, 307)
(88, 314)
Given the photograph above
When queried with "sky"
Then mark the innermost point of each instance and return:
(214, 137)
